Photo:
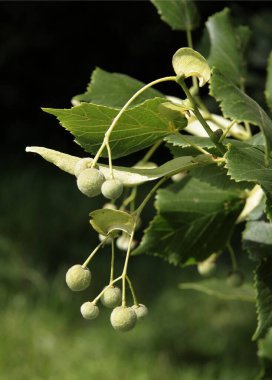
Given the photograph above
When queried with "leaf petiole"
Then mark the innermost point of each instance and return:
(123, 109)
(198, 115)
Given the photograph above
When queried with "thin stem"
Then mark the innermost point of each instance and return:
(151, 151)
(110, 160)
(106, 287)
(132, 203)
(190, 44)
(232, 257)
(226, 131)
(240, 135)
(123, 109)
(124, 274)
(189, 38)
(149, 195)
(248, 129)
(135, 301)
(198, 115)
(84, 265)
(129, 199)
(112, 261)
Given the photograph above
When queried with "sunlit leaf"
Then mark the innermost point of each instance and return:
(114, 90)
(138, 128)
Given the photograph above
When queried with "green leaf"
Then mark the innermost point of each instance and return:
(138, 128)
(185, 141)
(188, 62)
(128, 176)
(178, 14)
(173, 113)
(263, 285)
(194, 219)
(217, 176)
(265, 355)
(105, 221)
(268, 85)
(218, 288)
(265, 346)
(245, 163)
(114, 90)
(228, 46)
(238, 106)
(257, 238)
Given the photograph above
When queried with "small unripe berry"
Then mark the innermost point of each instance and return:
(206, 268)
(78, 278)
(123, 241)
(103, 238)
(179, 176)
(110, 206)
(112, 188)
(89, 310)
(123, 318)
(140, 310)
(235, 278)
(90, 181)
(82, 164)
(112, 297)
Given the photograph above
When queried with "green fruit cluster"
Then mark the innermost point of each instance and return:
(91, 182)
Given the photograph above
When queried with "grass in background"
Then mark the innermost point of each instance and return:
(185, 336)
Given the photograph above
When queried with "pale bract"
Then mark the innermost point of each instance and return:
(128, 176)
(105, 221)
(188, 62)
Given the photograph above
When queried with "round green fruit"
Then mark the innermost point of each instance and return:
(123, 318)
(89, 310)
(140, 310)
(206, 268)
(82, 164)
(112, 188)
(123, 241)
(78, 278)
(90, 181)
(112, 297)
(179, 176)
(110, 206)
(235, 278)
(102, 238)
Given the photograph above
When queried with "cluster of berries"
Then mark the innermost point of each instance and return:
(122, 318)
(92, 182)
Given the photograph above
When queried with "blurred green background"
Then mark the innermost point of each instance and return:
(48, 51)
